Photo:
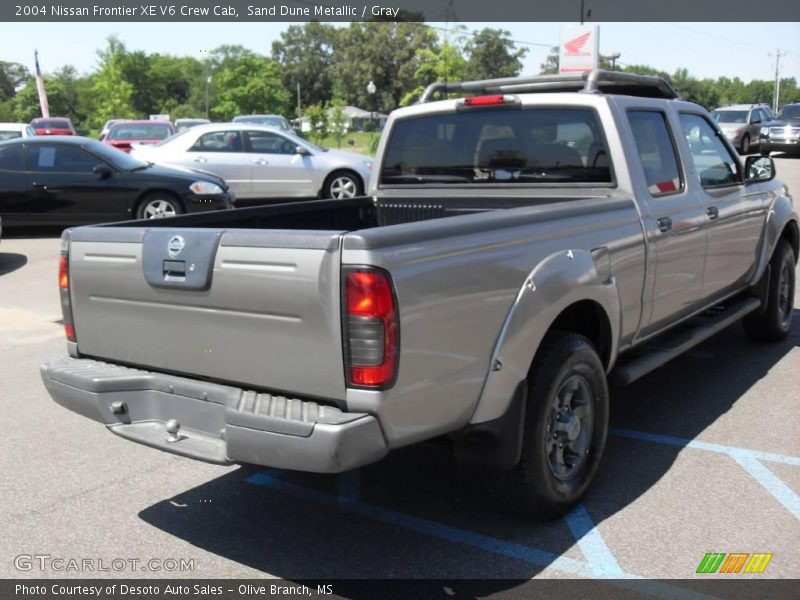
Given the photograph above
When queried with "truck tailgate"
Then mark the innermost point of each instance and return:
(257, 307)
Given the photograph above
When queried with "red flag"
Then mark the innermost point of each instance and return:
(40, 87)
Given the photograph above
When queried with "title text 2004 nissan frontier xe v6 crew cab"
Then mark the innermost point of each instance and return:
(519, 248)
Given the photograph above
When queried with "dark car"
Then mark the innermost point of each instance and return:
(53, 126)
(783, 132)
(75, 180)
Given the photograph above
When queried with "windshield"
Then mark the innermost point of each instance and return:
(790, 112)
(535, 145)
(9, 135)
(139, 131)
(730, 116)
(121, 160)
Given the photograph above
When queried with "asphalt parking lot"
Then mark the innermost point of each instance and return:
(704, 456)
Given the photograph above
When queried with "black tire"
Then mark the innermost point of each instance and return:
(774, 323)
(745, 145)
(537, 487)
(157, 205)
(341, 185)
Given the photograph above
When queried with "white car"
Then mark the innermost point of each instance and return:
(10, 131)
(262, 163)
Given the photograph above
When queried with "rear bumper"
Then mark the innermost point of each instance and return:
(217, 423)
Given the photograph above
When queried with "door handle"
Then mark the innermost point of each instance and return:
(200, 159)
(712, 212)
(260, 161)
(664, 224)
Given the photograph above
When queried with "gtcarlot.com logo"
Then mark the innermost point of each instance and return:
(735, 562)
(47, 562)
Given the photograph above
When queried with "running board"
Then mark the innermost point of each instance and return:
(659, 351)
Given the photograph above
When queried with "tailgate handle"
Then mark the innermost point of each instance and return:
(174, 270)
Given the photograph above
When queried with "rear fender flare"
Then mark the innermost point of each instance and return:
(559, 281)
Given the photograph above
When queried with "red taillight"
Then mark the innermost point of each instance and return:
(63, 272)
(66, 303)
(371, 330)
(484, 100)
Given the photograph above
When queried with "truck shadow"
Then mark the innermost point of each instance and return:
(11, 261)
(420, 516)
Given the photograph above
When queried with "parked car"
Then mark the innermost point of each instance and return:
(266, 120)
(75, 180)
(107, 127)
(516, 251)
(10, 131)
(124, 134)
(783, 132)
(181, 124)
(262, 163)
(741, 124)
(53, 126)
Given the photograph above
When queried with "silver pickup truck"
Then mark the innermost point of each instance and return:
(520, 248)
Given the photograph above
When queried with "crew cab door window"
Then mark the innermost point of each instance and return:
(714, 164)
(656, 152)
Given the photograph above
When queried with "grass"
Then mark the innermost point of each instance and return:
(362, 142)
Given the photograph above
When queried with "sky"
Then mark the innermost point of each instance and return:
(705, 49)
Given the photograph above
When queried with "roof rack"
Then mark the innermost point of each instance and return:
(598, 81)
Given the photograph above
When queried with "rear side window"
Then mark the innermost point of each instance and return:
(656, 151)
(525, 146)
(11, 158)
(219, 141)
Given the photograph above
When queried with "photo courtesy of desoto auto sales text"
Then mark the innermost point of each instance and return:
(399, 300)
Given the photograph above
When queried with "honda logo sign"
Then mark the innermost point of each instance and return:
(579, 48)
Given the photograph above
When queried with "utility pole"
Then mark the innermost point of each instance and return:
(777, 97)
(613, 58)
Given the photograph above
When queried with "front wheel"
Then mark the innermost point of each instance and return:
(773, 324)
(745, 145)
(566, 425)
(158, 206)
(342, 185)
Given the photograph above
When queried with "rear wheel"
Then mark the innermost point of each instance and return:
(342, 185)
(774, 323)
(566, 424)
(158, 205)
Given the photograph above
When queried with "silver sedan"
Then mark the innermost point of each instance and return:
(261, 163)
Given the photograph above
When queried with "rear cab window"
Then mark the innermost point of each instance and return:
(528, 145)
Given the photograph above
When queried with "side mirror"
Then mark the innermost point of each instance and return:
(755, 120)
(302, 151)
(102, 171)
(759, 169)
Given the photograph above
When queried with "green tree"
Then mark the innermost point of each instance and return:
(12, 75)
(337, 121)
(251, 84)
(317, 117)
(113, 93)
(493, 54)
(306, 54)
(441, 64)
(384, 53)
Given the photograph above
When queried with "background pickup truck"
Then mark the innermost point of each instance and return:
(519, 248)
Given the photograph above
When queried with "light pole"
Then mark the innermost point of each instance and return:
(208, 84)
(371, 89)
